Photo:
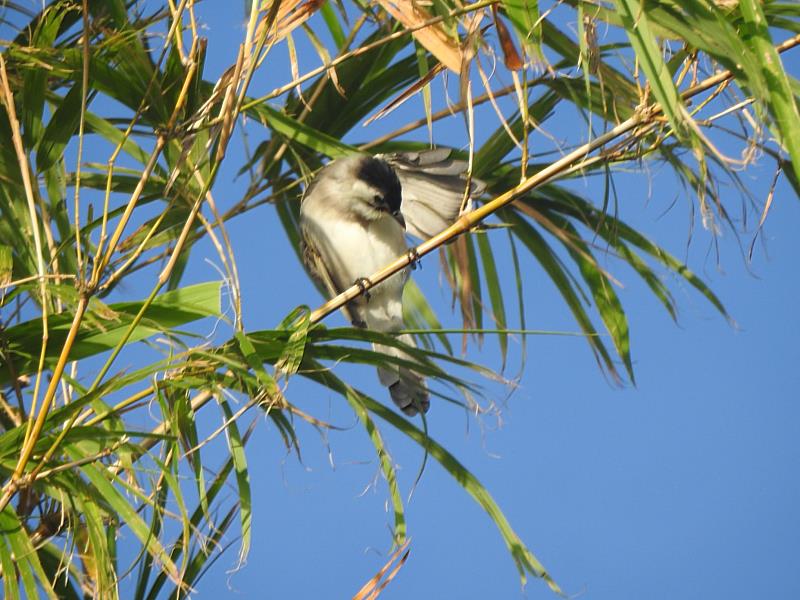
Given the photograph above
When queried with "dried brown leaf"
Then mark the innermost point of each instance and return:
(511, 57)
(371, 589)
(291, 14)
(433, 37)
(409, 92)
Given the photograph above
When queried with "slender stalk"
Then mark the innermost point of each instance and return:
(102, 260)
(126, 215)
(120, 406)
(58, 370)
(22, 160)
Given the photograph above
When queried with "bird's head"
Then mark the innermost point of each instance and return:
(376, 190)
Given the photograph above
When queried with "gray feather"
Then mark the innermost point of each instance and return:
(434, 187)
(407, 388)
(319, 273)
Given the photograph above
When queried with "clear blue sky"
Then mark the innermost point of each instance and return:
(683, 487)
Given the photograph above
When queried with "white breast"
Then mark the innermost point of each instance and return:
(353, 250)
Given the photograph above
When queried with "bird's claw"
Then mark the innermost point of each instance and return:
(414, 259)
(363, 284)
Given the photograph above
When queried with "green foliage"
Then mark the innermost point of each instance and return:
(77, 232)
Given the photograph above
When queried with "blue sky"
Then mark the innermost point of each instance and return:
(683, 486)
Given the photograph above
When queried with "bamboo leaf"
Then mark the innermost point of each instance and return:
(100, 478)
(606, 300)
(42, 35)
(298, 322)
(6, 264)
(169, 310)
(358, 405)
(434, 37)
(95, 553)
(495, 292)
(524, 15)
(548, 260)
(303, 134)
(524, 559)
(10, 584)
(256, 363)
(236, 448)
(418, 311)
(62, 127)
(26, 559)
(780, 98)
(610, 227)
(637, 26)
(332, 21)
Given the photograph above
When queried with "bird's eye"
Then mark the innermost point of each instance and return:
(378, 199)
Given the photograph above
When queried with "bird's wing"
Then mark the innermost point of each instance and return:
(315, 266)
(433, 189)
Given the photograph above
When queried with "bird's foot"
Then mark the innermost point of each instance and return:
(364, 284)
(414, 259)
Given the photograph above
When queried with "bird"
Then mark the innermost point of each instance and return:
(354, 217)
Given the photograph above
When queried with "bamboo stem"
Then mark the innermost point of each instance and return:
(24, 167)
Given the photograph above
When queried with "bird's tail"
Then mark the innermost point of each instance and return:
(407, 388)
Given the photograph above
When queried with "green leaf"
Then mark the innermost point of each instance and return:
(475, 284)
(10, 585)
(612, 229)
(332, 21)
(298, 322)
(524, 15)
(303, 134)
(43, 35)
(256, 363)
(26, 560)
(105, 129)
(236, 448)
(167, 311)
(495, 291)
(418, 313)
(560, 277)
(62, 127)
(94, 542)
(6, 264)
(217, 530)
(53, 562)
(649, 55)
(101, 479)
(606, 300)
(524, 559)
(359, 406)
(780, 98)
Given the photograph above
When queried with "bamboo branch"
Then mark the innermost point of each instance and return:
(642, 117)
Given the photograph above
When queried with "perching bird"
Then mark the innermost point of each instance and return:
(353, 220)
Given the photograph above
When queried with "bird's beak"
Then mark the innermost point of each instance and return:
(398, 216)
